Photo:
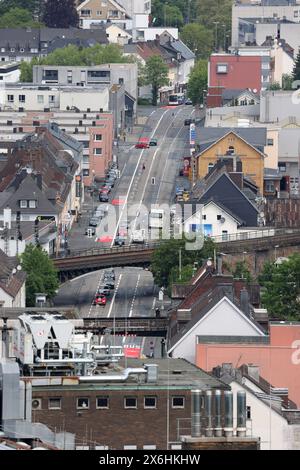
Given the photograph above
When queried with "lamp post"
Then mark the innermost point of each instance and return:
(93, 184)
(204, 94)
(216, 37)
(224, 36)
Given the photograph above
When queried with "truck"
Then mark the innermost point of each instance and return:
(138, 236)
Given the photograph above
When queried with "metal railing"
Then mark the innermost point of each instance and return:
(254, 235)
(110, 250)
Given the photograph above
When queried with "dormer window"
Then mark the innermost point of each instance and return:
(23, 204)
(32, 204)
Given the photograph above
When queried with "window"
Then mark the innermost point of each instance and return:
(32, 204)
(51, 98)
(270, 141)
(85, 172)
(295, 13)
(98, 151)
(149, 447)
(221, 68)
(99, 13)
(282, 167)
(54, 404)
(10, 98)
(219, 217)
(98, 73)
(98, 137)
(51, 75)
(224, 235)
(210, 166)
(270, 188)
(12, 49)
(22, 98)
(149, 402)
(102, 402)
(70, 76)
(40, 99)
(85, 12)
(204, 217)
(34, 50)
(130, 447)
(2, 49)
(177, 402)
(130, 402)
(83, 403)
(23, 204)
(248, 411)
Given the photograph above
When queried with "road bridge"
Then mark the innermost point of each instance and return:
(139, 326)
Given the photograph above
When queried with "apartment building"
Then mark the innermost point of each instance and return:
(93, 12)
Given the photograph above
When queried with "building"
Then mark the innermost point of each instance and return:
(9, 72)
(12, 282)
(277, 356)
(91, 13)
(125, 74)
(18, 44)
(117, 35)
(244, 145)
(268, 11)
(236, 71)
(270, 413)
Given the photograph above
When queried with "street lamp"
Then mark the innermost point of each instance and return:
(216, 32)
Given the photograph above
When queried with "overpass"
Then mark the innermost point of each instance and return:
(139, 326)
(77, 263)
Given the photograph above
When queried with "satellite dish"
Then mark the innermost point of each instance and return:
(262, 214)
(222, 220)
(209, 262)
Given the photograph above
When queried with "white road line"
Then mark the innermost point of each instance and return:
(113, 299)
(154, 302)
(153, 159)
(132, 179)
(123, 170)
(134, 295)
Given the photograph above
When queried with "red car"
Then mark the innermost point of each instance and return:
(100, 300)
(143, 143)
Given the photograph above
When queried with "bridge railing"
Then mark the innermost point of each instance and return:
(254, 235)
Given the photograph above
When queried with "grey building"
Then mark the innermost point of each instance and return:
(272, 10)
(278, 106)
(125, 75)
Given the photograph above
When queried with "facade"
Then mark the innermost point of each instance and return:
(236, 71)
(288, 10)
(278, 359)
(162, 403)
(92, 12)
(9, 72)
(235, 144)
(117, 35)
(80, 126)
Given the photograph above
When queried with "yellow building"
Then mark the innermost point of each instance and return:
(233, 146)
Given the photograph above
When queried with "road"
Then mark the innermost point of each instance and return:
(135, 295)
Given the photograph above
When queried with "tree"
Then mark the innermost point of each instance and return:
(274, 86)
(17, 18)
(30, 5)
(281, 288)
(241, 271)
(160, 13)
(165, 260)
(208, 13)
(198, 38)
(41, 274)
(296, 71)
(197, 83)
(287, 81)
(60, 14)
(156, 75)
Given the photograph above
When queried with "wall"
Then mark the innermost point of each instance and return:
(99, 163)
(271, 160)
(283, 213)
(278, 105)
(266, 423)
(211, 211)
(122, 426)
(279, 362)
(5, 298)
(20, 299)
(252, 161)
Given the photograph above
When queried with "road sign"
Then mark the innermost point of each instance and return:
(192, 134)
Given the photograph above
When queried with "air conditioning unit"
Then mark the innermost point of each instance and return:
(36, 404)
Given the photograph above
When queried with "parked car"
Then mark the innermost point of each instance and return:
(100, 300)
(91, 230)
(188, 101)
(94, 221)
(188, 122)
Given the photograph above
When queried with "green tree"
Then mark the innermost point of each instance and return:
(41, 274)
(165, 260)
(198, 82)
(17, 18)
(32, 6)
(60, 14)
(287, 81)
(209, 12)
(198, 38)
(296, 71)
(274, 86)
(241, 271)
(281, 288)
(187, 9)
(156, 75)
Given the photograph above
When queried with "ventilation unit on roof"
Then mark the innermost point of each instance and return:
(36, 404)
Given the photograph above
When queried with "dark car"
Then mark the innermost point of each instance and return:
(103, 197)
(188, 122)
(94, 221)
(120, 241)
(90, 230)
(153, 142)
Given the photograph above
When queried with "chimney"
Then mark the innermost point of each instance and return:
(244, 301)
(152, 373)
(219, 265)
(239, 166)
(39, 181)
(253, 371)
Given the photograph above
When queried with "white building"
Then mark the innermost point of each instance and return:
(9, 72)
(12, 282)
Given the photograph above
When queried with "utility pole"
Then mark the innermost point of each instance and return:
(216, 38)
(180, 264)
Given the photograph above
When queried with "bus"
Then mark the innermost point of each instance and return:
(176, 99)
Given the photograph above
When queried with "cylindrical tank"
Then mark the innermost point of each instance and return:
(196, 413)
(218, 421)
(208, 413)
(241, 413)
(228, 429)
